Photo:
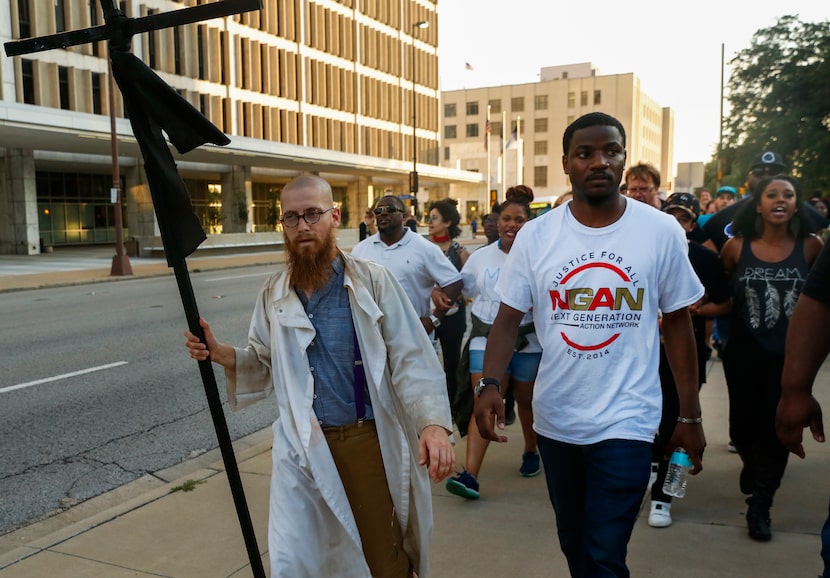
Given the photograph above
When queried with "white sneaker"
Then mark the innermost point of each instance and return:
(660, 515)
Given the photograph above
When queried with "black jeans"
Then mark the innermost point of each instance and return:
(753, 377)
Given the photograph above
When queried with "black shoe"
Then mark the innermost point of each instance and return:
(758, 523)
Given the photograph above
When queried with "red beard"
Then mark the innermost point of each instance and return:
(309, 266)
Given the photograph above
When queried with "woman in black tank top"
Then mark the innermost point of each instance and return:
(767, 262)
(443, 230)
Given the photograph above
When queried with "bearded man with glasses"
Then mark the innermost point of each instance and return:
(418, 264)
(363, 418)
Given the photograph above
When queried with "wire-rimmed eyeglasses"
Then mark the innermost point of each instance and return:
(310, 216)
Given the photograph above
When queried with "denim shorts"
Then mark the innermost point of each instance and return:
(522, 367)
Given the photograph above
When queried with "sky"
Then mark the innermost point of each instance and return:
(673, 47)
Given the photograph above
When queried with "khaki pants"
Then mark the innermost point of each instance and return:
(356, 453)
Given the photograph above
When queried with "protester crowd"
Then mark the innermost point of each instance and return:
(598, 318)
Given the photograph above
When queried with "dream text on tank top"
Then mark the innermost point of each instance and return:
(765, 294)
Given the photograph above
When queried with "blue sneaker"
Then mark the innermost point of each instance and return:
(464, 485)
(531, 464)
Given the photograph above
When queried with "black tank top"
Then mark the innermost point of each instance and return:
(765, 294)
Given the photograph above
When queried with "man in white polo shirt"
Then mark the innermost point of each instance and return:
(416, 263)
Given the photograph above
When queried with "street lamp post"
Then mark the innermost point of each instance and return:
(413, 178)
(120, 261)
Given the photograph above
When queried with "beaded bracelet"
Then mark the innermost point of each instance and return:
(690, 420)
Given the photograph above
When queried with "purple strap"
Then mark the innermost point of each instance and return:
(359, 381)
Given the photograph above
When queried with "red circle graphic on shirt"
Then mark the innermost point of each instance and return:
(610, 340)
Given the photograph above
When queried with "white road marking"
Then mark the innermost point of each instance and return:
(62, 376)
(237, 277)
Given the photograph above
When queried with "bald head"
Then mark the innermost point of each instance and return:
(304, 182)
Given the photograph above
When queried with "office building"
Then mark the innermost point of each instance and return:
(318, 86)
(526, 123)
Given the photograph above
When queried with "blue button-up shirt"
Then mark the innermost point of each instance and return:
(331, 353)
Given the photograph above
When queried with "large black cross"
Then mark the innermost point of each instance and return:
(153, 106)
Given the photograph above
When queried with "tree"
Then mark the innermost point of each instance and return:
(779, 96)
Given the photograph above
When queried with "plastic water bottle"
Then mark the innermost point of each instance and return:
(678, 474)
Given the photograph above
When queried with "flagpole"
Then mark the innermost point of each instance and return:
(502, 164)
(223, 436)
(489, 169)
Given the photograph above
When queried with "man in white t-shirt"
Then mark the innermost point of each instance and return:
(416, 263)
(595, 273)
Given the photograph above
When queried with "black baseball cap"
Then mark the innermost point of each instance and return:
(685, 201)
(768, 159)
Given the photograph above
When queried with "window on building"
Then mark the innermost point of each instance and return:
(450, 110)
(540, 102)
(472, 108)
(517, 104)
(472, 130)
(495, 106)
(223, 70)
(243, 57)
(495, 128)
(96, 93)
(200, 52)
(24, 20)
(151, 44)
(597, 97)
(565, 75)
(583, 98)
(446, 153)
(571, 99)
(27, 80)
(63, 86)
(93, 21)
(60, 16)
(540, 147)
(540, 125)
(571, 118)
(177, 50)
(540, 176)
(450, 131)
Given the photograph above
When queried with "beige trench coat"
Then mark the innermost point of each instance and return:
(312, 531)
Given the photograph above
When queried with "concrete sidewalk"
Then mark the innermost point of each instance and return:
(151, 528)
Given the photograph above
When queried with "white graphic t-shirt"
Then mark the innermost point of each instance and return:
(595, 295)
(480, 275)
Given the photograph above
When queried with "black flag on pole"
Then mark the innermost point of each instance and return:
(152, 106)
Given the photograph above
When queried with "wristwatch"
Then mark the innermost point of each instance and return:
(484, 382)
(436, 323)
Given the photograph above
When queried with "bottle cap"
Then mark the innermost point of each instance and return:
(681, 458)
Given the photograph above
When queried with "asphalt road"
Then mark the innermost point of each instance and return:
(96, 389)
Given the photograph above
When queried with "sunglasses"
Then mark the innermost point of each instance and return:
(386, 209)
